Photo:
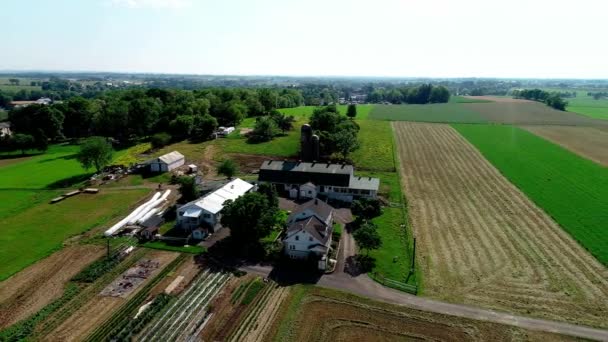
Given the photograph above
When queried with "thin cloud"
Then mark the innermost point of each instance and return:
(170, 4)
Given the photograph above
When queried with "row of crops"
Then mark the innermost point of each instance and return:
(185, 316)
(251, 320)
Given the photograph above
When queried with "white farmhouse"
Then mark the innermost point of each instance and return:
(167, 162)
(309, 230)
(206, 211)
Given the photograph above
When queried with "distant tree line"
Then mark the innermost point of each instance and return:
(598, 95)
(133, 114)
(552, 99)
(422, 94)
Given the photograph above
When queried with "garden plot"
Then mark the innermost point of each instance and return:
(482, 242)
(131, 279)
(186, 316)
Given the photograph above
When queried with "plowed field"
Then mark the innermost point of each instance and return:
(587, 142)
(482, 242)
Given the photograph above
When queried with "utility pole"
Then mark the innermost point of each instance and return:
(412, 268)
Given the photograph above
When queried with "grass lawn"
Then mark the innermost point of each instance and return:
(571, 189)
(3, 115)
(166, 247)
(376, 150)
(41, 229)
(396, 241)
(443, 112)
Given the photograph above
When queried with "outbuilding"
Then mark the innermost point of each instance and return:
(167, 162)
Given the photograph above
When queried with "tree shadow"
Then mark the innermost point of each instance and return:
(359, 264)
(68, 157)
(69, 181)
(17, 156)
(289, 272)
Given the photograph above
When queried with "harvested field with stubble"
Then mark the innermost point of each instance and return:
(588, 142)
(36, 286)
(482, 242)
(319, 314)
(100, 308)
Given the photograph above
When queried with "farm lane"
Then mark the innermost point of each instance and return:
(364, 286)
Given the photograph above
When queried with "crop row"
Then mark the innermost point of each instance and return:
(65, 311)
(121, 317)
(253, 313)
(185, 314)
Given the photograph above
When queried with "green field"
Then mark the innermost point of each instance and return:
(444, 112)
(3, 115)
(600, 112)
(376, 150)
(306, 111)
(30, 181)
(462, 99)
(36, 232)
(571, 189)
(395, 239)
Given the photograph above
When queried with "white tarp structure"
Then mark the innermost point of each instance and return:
(145, 210)
(207, 209)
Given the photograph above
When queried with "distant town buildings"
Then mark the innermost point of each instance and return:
(41, 101)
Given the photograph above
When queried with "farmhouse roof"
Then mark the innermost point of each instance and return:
(214, 202)
(171, 157)
(5, 124)
(319, 207)
(312, 226)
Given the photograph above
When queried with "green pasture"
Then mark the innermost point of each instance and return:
(376, 150)
(441, 112)
(34, 233)
(571, 189)
(462, 99)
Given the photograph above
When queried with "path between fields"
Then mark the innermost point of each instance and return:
(364, 286)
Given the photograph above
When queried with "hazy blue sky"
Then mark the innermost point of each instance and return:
(436, 38)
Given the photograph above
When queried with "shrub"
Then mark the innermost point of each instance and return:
(159, 140)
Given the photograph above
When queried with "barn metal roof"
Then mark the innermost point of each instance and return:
(171, 157)
(214, 202)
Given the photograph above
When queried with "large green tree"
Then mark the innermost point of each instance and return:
(95, 152)
(249, 217)
(367, 237)
(227, 168)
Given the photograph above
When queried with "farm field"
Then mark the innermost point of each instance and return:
(30, 290)
(306, 111)
(483, 242)
(186, 314)
(548, 175)
(587, 142)
(442, 112)
(584, 104)
(53, 223)
(100, 308)
(524, 112)
(376, 150)
(318, 314)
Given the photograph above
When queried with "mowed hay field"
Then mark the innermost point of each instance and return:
(572, 190)
(483, 242)
(529, 113)
(587, 142)
(318, 314)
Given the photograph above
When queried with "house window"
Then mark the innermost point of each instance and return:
(297, 238)
(292, 247)
(309, 192)
(181, 213)
(207, 215)
(365, 192)
(310, 239)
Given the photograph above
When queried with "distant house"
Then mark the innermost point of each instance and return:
(5, 129)
(309, 230)
(304, 180)
(207, 210)
(167, 162)
(41, 101)
(151, 227)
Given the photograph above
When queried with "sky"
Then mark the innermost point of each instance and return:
(394, 38)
